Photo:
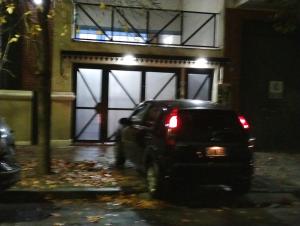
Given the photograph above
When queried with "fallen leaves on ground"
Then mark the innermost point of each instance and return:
(94, 219)
(67, 174)
(59, 224)
(134, 201)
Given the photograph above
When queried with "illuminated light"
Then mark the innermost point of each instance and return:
(168, 40)
(173, 123)
(38, 2)
(172, 120)
(244, 122)
(215, 151)
(129, 59)
(201, 62)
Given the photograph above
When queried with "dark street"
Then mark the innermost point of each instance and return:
(205, 208)
(274, 198)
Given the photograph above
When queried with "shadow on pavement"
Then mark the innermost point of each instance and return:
(32, 208)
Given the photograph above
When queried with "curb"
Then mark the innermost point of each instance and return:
(61, 193)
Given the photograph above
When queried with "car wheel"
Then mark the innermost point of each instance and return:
(154, 180)
(119, 154)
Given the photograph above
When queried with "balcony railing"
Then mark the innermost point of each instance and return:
(145, 26)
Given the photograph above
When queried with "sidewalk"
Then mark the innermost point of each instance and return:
(80, 171)
(77, 171)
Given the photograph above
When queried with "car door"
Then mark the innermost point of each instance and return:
(132, 135)
(150, 132)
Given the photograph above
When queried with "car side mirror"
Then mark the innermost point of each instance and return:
(125, 121)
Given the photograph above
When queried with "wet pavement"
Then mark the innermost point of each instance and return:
(273, 200)
(274, 171)
(210, 210)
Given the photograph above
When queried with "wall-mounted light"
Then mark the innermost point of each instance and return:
(201, 62)
(129, 59)
(38, 2)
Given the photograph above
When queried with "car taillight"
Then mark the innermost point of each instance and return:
(244, 122)
(172, 124)
(172, 120)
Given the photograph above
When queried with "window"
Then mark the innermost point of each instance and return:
(152, 115)
(139, 113)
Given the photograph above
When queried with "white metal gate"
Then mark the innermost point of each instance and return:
(105, 95)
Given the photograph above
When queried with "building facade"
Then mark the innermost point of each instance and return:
(108, 58)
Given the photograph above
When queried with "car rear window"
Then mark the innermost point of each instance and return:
(209, 125)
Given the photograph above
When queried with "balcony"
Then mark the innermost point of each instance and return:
(145, 26)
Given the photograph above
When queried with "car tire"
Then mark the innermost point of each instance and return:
(154, 180)
(9, 155)
(119, 154)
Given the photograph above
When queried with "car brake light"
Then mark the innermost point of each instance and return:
(172, 120)
(243, 122)
(172, 124)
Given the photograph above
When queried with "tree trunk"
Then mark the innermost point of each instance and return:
(44, 95)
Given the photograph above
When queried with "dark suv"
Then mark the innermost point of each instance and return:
(9, 170)
(187, 139)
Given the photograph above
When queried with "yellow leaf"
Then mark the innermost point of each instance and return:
(2, 20)
(51, 14)
(28, 13)
(55, 214)
(93, 219)
(58, 224)
(13, 39)
(37, 27)
(102, 5)
(10, 8)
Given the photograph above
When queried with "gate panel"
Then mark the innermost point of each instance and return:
(160, 86)
(88, 102)
(124, 94)
(199, 86)
(103, 96)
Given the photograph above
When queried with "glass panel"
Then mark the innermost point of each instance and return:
(89, 83)
(113, 119)
(193, 21)
(86, 26)
(202, 125)
(126, 31)
(124, 89)
(159, 19)
(155, 81)
(199, 86)
(92, 131)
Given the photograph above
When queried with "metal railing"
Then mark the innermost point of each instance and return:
(137, 25)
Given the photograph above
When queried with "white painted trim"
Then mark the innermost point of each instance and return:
(148, 62)
(23, 143)
(63, 96)
(15, 94)
(214, 96)
(61, 143)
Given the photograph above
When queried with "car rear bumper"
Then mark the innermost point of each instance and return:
(214, 173)
(9, 177)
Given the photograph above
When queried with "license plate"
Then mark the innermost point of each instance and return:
(215, 151)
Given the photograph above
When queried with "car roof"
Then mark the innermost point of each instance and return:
(188, 104)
